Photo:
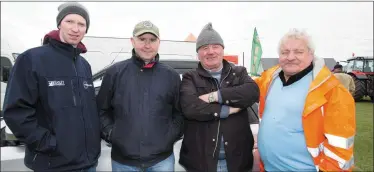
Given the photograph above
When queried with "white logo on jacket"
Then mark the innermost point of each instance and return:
(55, 83)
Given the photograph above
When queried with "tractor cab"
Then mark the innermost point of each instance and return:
(362, 71)
(360, 65)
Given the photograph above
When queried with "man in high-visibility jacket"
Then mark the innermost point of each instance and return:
(307, 117)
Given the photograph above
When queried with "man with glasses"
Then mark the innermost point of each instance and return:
(139, 107)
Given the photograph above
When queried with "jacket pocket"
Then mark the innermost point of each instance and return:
(71, 136)
(60, 92)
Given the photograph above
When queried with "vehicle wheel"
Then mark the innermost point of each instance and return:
(360, 89)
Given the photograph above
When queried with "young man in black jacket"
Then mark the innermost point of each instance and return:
(50, 99)
(215, 99)
(139, 107)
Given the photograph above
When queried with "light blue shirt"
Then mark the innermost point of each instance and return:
(224, 112)
(281, 141)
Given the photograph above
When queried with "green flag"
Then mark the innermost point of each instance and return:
(256, 67)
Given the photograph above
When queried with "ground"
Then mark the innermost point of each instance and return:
(363, 147)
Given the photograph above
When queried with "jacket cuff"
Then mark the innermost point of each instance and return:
(217, 111)
(224, 111)
(219, 97)
(223, 101)
(52, 142)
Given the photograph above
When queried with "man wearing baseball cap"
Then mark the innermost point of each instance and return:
(49, 102)
(139, 106)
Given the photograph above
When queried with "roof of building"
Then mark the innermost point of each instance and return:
(190, 38)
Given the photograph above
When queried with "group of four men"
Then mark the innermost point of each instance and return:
(143, 107)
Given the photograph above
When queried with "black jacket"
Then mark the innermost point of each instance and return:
(50, 105)
(203, 126)
(140, 112)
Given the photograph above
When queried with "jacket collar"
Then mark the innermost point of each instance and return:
(53, 38)
(296, 77)
(139, 62)
(320, 73)
(225, 70)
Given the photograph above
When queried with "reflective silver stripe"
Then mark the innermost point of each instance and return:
(343, 164)
(340, 142)
(328, 77)
(254, 128)
(317, 167)
(315, 151)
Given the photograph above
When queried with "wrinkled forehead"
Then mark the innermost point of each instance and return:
(293, 44)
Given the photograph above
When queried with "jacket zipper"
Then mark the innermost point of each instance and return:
(36, 154)
(219, 121)
(33, 160)
(84, 123)
(72, 90)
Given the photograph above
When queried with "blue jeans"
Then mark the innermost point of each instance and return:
(92, 169)
(222, 166)
(165, 165)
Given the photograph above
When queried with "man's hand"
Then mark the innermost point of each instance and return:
(205, 97)
(233, 110)
(255, 141)
(256, 160)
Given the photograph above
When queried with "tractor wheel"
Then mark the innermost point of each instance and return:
(360, 89)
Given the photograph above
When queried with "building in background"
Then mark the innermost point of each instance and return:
(231, 58)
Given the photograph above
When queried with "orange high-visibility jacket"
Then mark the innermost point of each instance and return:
(328, 118)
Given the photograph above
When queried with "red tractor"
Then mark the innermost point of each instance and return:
(362, 71)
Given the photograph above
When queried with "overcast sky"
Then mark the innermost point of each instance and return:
(338, 28)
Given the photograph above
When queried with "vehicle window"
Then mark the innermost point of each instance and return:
(182, 71)
(6, 65)
(349, 66)
(359, 64)
(369, 66)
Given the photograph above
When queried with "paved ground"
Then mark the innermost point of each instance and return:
(12, 158)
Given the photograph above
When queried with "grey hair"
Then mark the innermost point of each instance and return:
(298, 34)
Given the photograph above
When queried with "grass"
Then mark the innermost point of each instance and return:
(363, 150)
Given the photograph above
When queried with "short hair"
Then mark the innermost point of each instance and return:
(338, 66)
(298, 34)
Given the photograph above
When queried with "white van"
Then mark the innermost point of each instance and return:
(7, 61)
